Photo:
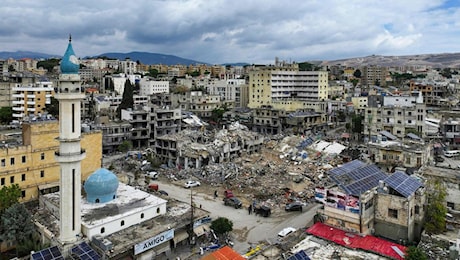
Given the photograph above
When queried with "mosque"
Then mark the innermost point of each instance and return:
(110, 219)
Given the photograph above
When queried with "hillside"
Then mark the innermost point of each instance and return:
(442, 60)
(150, 58)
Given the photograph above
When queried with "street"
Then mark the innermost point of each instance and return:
(248, 230)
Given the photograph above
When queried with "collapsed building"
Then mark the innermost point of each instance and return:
(195, 149)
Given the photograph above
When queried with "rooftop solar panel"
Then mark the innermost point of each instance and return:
(84, 252)
(51, 253)
(301, 255)
(357, 177)
(403, 183)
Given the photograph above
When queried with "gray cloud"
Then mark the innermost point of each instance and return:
(233, 31)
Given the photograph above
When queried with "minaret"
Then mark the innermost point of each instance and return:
(70, 154)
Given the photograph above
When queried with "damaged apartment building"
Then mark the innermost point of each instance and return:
(194, 149)
(361, 198)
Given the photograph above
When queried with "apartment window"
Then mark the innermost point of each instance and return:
(417, 210)
(42, 173)
(3, 162)
(12, 160)
(11, 179)
(102, 230)
(23, 159)
(23, 177)
(142, 215)
(393, 213)
(23, 193)
(2, 181)
(42, 156)
(122, 223)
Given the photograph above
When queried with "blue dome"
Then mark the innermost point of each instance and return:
(101, 186)
(70, 63)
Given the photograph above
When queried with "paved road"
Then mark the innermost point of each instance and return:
(249, 229)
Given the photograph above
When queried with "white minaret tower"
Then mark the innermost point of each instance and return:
(70, 153)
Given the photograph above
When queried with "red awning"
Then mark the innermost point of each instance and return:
(368, 243)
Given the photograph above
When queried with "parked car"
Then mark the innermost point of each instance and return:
(294, 206)
(263, 210)
(285, 232)
(233, 202)
(153, 174)
(190, 184)
(162, 192)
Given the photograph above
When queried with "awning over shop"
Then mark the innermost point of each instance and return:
(180, 236)
(200, 230)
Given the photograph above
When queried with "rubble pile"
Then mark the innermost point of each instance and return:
(283, 170)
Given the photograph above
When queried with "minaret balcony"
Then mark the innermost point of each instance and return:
(70, 157)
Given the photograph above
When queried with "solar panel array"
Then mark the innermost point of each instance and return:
(50, 253)
(403, 183)
(84, 252)
(347, 167)
(305, 143)
(356, 177)
(301, 255)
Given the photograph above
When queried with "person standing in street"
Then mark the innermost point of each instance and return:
(250, 209)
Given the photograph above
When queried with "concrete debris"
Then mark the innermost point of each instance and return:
(280, 170)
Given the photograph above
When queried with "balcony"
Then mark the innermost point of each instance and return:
(18, 108)
(70, 157)
(18, 102)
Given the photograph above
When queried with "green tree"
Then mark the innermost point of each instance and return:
(218, 113)
(9, 195)
(127, 101)
(153, 73)
(125, 146)
(195, 73)
(436, 208)
(6, 115)
(357, 124)
(48, 64)
(16, 225)
(415, 253)
(222, 225)
(53, 107)
(357, 74)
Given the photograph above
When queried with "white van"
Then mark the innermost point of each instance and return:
(452, 153)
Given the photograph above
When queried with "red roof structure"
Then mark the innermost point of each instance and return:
(357, 241)
(224, 253)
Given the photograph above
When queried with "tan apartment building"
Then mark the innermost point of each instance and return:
(374, 75)
(31, 162)
(285, 83)
(31, 99)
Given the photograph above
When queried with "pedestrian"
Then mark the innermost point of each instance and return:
(250, 209)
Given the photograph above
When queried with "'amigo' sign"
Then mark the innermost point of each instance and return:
(154, 241)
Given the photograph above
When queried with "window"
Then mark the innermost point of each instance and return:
(2, 181)
(3, 162)
(42, 156)
(23, 193)
(417, 210)
(158, 210)
(23, 177)
(102, 230)
(451, 205)
(122, 223)
(393, 213)
(23, 159)
(142, 215)
(12, 160)
(42, 173)
(11, 179)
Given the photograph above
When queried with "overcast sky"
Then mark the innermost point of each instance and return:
(218, 31)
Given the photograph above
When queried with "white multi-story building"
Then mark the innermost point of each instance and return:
(30, 99)
(285, 83)
(150, 86)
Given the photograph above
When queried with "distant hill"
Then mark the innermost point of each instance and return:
(25, 54)
(443, 60)
(150, 58)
